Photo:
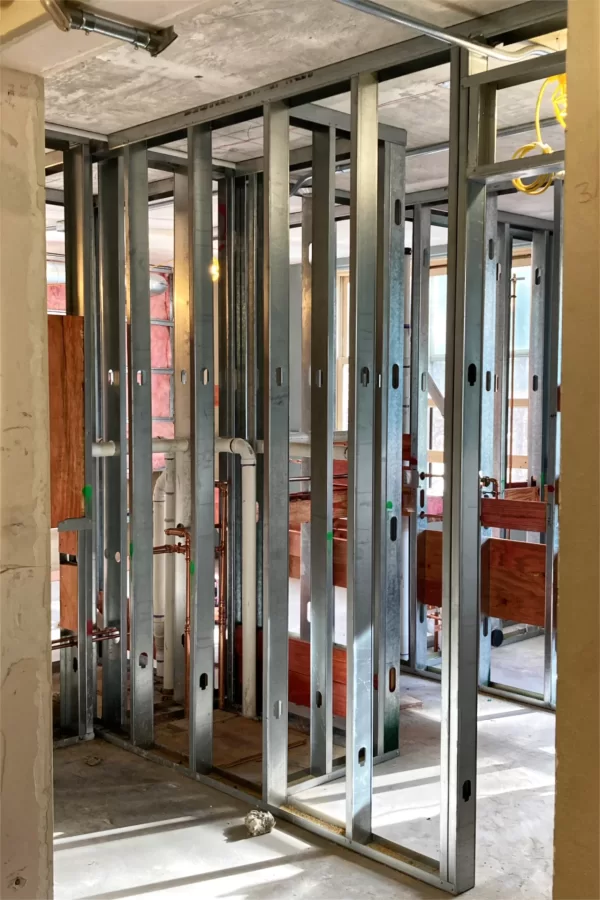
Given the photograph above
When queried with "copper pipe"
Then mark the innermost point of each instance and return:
(98, 635)
(186, 549)
(437, 627)
(488, 481)
(222, 600)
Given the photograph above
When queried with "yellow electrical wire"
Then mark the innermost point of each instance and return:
(559, 105)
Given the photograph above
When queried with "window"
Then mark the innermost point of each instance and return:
(342, 353)
(161, 352)
(438, 288)
(518, 369)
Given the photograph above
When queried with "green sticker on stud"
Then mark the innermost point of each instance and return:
(87, 491)
(330, 535)
(131, 549)
(192, 567)
(389, 505)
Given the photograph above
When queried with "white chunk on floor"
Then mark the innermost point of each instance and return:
(258, 822)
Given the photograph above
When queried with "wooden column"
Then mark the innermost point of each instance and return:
(577, 829)
(25, 656)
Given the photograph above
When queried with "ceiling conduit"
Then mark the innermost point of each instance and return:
(75, 16)
(400, 18)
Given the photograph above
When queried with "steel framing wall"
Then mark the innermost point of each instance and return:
(254, 302)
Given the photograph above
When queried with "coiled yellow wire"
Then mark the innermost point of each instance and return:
(559, 105)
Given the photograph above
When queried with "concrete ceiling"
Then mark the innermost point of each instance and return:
(230, 46)
(223, 48)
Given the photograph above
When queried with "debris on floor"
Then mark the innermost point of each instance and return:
(93, 760)
(258, 822)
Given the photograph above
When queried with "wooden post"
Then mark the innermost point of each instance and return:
(577, 828)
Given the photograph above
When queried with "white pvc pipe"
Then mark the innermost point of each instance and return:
(303, 437)
(302, 451)
(159, 445)
(405, 596)
(158, 506)
(405, 580)
(104, 448)
(248, 460)
(407, 341)
(169, 563)
(299, 446)
(169, 445)
(299, 449)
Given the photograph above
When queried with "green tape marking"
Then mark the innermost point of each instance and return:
(87, 491)
(389, 505)
(131, 550)
(330, 535)
(192, 567)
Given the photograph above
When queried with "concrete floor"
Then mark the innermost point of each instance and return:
(125, 827)
(520, 664)
(515, 808)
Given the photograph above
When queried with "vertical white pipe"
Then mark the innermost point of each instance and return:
(248, 461)
(407, 340)
(169, 564)
(159, 572)
(249, 588)
(405, 598)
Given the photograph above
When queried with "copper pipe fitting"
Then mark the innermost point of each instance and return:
(98, 635)
(488, 481)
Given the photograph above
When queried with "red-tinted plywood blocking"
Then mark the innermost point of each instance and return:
(65, 377)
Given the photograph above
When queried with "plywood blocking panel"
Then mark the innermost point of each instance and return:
(429, 567)
(65, 371)
(300, 505)
(512, 577)
(522, 493)
(299, 684)
(513, 582)
(340, 556)
(67, 546)
(299, 681)
(519, 515)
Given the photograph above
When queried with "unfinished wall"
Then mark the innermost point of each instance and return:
(577, 830)
(25, 708)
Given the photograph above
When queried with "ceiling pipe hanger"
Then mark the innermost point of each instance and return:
(400, 18)
(68, 16)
